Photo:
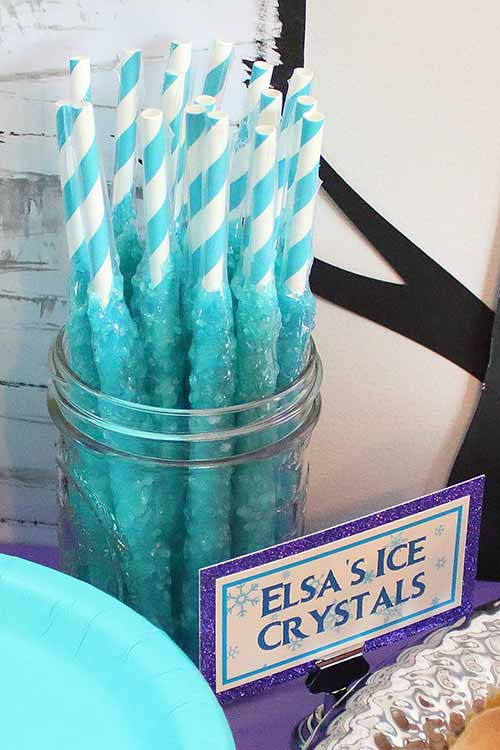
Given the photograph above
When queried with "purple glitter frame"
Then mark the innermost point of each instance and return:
(208, 577)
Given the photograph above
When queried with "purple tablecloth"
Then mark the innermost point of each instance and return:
(267, 720)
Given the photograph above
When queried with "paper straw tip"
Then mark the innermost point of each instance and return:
(223, 47)
(195, 109)
(265, 130)
(262, 65)
(180, 56)
(74, 59)
(272, 93)
(303, 73)
(307, 101)
(314, 116)
(216, 116)
(151, 113)
(206, 101)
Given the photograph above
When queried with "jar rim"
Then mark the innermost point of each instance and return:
(140, 431)
(60, 367)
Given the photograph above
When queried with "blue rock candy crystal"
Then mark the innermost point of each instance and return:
(128, 245)
(212, 382)
(157, 312)
(257, 327)
(121, 363)
(297, 315)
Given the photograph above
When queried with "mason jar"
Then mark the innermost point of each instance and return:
(148, 496)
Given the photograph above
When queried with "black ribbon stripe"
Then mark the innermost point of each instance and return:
(431, 308)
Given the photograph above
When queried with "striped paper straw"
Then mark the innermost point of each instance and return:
(271, 102)
(75, 230)
(298, 252)
(257, 328)
(180, 59)
(155, 193)
(215, 79)
(92, 512)
(195, 124)
(298, 85)
(195, 128)
(258, 265)
(158, 316)
(79, 79)
(211, 381)
(304, 104)
(93, 207)
(78, 328)
(179, 64)
(175, 93)
(259, 81)
(172, 104)
(180, 56)
(214, 213)
(126, 129)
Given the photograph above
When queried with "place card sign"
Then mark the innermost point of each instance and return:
(269, 616)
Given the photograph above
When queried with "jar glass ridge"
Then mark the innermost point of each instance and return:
(162, 448)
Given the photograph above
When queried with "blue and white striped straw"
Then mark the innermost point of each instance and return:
(298, 252)
(75, 230)
(180, 57)
(156, 208)
(78, 331)
(98, 231)
(126, 128)
(195, 126)
(258, 260)
(195, 129)
(214, 245)
(172, 104)
(298, 85)
(176, 91)
(260, 79)
(79, 79)
(303, 104)
(218, 67)
(271, 102)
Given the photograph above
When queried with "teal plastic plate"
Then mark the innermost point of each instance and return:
(80, 670)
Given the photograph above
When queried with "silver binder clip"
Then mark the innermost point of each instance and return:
(337, 677)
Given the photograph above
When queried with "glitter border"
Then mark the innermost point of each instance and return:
(208, 577)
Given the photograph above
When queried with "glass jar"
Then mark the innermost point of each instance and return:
(148, 496)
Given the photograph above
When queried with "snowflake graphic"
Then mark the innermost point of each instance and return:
(233, 652)
(286, 575)
(369, 576)
(440, 563)
(275, 617)
(392, 613)
(317, 583)
(332, 620)
(238, 603)
(439, 530)
(435, 601)
(295, 643)
(396, 540)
